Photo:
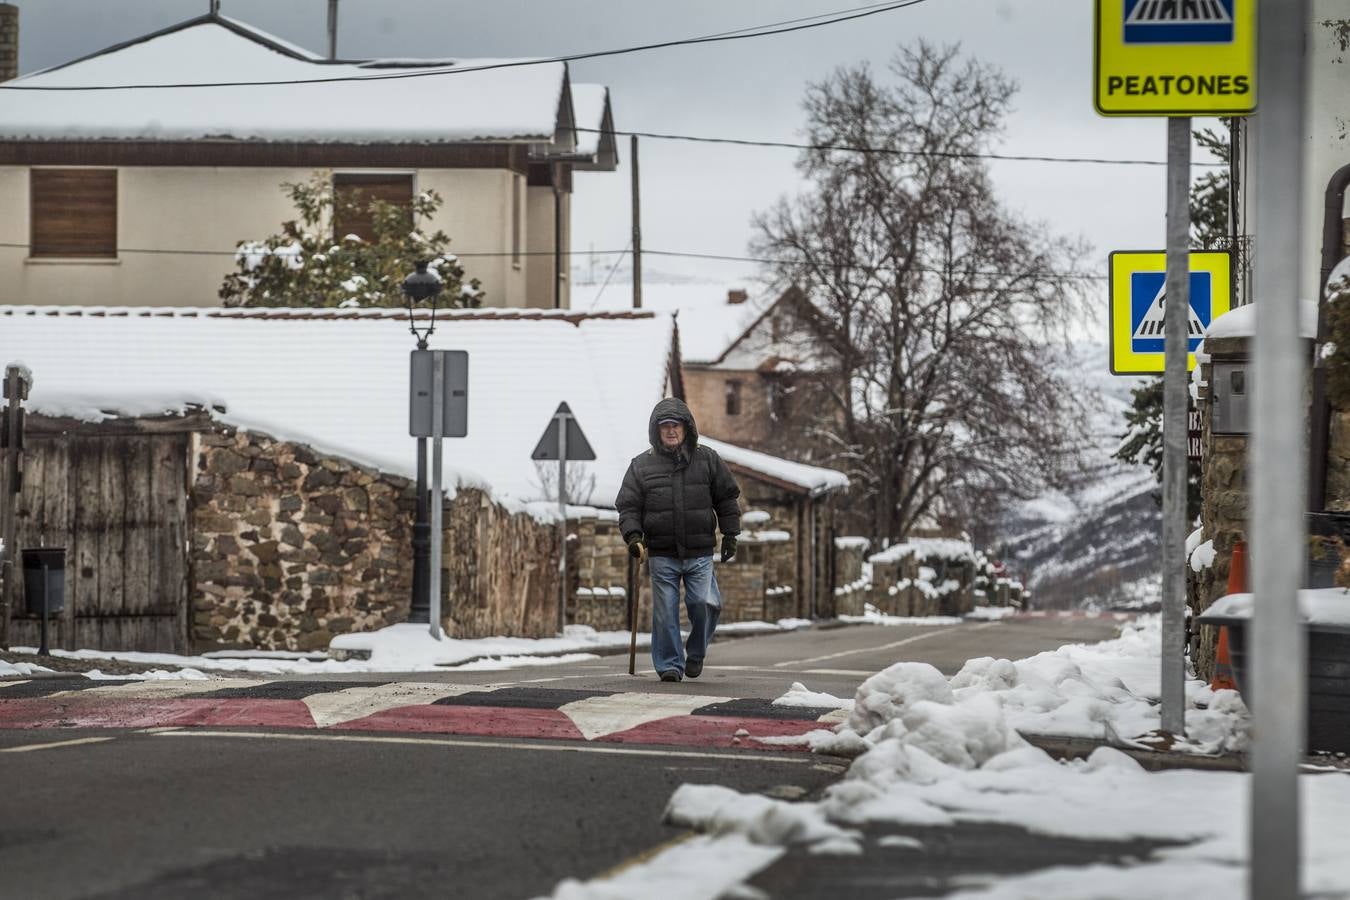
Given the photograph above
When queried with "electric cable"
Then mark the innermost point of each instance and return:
(767, 30)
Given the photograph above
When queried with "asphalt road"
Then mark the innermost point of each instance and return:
(282, 813)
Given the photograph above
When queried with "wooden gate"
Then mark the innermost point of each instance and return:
(115, 496)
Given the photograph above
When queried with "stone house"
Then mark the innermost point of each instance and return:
(141, 196)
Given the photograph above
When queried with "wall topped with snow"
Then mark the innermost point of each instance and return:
(341, 384)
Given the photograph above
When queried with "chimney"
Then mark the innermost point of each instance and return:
(737, 295)
(9, 41)
(332, 28)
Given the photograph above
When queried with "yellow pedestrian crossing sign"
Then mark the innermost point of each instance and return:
(1175, 57)
(1139, 298)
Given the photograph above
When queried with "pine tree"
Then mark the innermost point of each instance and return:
(305, 265)
(1142, 442)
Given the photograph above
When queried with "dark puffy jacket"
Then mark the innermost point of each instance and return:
(678, 499)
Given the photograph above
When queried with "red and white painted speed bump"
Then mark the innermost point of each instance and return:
(413, 708)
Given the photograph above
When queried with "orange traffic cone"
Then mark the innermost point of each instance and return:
(1237, 583)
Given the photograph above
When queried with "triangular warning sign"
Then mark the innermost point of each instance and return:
(578, 448)
(1153, 323)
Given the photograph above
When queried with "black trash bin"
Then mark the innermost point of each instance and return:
(53, 559)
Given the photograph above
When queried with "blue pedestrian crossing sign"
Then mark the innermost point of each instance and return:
(1139, 300)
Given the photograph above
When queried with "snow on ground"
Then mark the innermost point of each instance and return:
(873, 616)
(494, 663)
(702, 867)
(398, 648)
(152, 675)
(8, 669)
(938, 752)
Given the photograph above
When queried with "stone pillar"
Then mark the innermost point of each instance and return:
(9, 41)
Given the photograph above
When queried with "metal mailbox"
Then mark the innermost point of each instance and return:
(1230, 389)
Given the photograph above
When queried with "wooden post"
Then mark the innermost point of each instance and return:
(16, 391)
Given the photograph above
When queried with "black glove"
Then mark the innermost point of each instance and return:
(728, 548)
(637, 547)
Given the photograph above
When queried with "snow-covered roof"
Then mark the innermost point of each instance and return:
(1241, 322)
(340, 382)
(514, 103)
(810, 479)
(709, 324)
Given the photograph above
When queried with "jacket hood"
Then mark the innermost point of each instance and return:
(673, 408)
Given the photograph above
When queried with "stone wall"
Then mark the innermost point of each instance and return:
(598, 561)
(290, 548)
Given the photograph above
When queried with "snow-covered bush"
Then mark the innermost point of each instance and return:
(304, 265)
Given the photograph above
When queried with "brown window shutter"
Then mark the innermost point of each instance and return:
(352, 195)
(74, 212)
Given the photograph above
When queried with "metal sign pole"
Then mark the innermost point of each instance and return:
(437, 502)
(562, 513)
(1176, 348)
(1278, 462)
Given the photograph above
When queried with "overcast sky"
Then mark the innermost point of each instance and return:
(697, 197)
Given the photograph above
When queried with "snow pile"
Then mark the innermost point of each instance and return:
(9, 670)
(800, 695)
(1105, 691)
(714, 809)
(991, 613)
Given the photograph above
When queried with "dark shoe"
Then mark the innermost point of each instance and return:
(693, 668)
(670, 675)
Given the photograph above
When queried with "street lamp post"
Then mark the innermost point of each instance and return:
(419, 287)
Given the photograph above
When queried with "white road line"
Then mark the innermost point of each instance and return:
(52, 746)
(864, 673)
(4, 682)
(333, 707)
(491, 745)
(596, 716)
(891, 646)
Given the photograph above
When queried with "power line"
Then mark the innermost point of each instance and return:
(890, 151)
(676, 254)
(756, 31)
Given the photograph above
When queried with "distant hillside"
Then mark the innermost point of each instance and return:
(1096, 543)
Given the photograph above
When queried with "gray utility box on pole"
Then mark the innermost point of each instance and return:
(455, 408)
(438, 408)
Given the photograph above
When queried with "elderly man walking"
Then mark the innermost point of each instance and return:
(674, 498)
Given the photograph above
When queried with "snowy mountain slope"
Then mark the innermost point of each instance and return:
(1094, 543)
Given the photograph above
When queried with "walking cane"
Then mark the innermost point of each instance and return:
(633, 610)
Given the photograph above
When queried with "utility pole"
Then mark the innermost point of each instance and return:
(1278, 463)
(1176, 341)
(637, 227)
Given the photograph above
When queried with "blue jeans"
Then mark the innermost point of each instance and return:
(701, 598)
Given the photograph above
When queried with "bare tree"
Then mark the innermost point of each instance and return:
(932, 319)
